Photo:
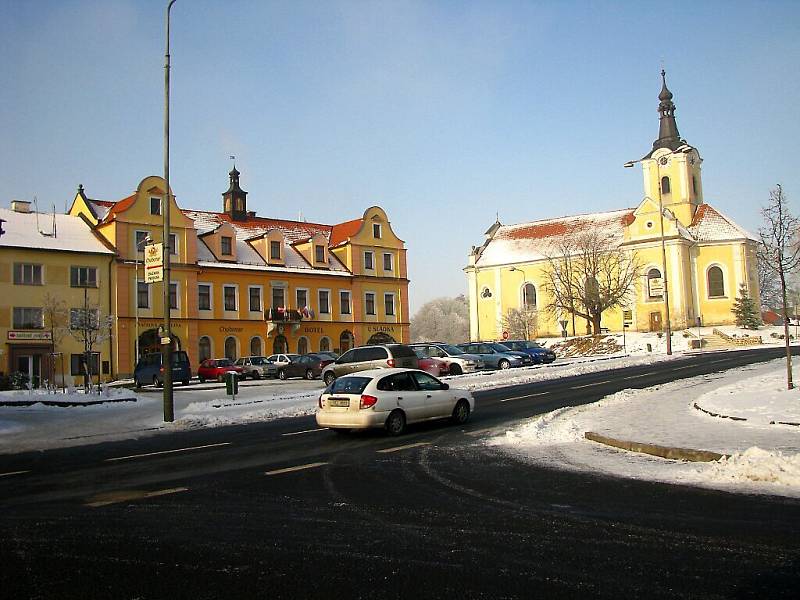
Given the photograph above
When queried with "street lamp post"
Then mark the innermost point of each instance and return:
(166, 339)
(628, 165)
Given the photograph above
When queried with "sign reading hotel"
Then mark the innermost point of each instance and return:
(154, 263)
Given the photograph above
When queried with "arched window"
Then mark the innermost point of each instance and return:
(204, 347)
(665, 189)
(325, 344)
(716, 283)
(280, 345)
(655, 285)
(255, 346)
(302, 345)
(230, 348)
(529, 296)
(346, 341)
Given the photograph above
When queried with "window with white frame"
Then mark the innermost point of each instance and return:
(388, 304)
(376, 230)
(716, 282)
(226, 245)
(301, 295)
(28, 318)
(369, 260)
(369, 303)
(155, 206)
(83, 276)
(325, 344)
(324, 302)
(173, 244)
(142, 294)
(388, 261)
(229, 297)
(275, 250)
(140, 239)
(27, 274)
(173, 295)
(278, 297)
(204, 348)
(529, 296)
(204, 296)
(344, 302)
(255, 298)
(319, 253)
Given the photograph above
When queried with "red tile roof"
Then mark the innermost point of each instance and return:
(342, 231)
(121, 206)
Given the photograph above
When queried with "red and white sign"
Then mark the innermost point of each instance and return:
(154, 263)
(29, 335)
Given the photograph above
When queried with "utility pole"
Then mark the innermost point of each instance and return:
(166, 337)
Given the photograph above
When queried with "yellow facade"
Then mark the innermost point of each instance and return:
(37, 264)
(291, 274)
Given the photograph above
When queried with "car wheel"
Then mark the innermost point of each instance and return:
(461, 412)
(256, 375)
(155, 381)
(396, 422)
(504, 364)
(185, 382)
(137, 383)
(281, 374)
(329, 377)
(309, 374)
(201, 379)
(220, 378)
(455, 369)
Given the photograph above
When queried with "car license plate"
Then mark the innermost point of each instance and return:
(343, 402)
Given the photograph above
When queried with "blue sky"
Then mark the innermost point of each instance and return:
(443, 113)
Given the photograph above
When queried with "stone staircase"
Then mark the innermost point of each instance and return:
(712, 341)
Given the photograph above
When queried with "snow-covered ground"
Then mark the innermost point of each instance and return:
(764, 457)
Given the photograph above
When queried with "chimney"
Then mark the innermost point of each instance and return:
(21, 206)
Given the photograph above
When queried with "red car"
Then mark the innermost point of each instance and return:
(216, 368)
(435, 366)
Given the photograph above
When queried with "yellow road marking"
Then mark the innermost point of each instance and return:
(167, 452)
(128, 495)
(297, 468)
(525, 396)
(406, 447)
(13, 473)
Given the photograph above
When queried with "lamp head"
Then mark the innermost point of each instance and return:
(630, 164)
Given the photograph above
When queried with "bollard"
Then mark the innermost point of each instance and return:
(231, 384)
(649, 347)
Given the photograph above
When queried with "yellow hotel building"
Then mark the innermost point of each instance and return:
(242, 284)
(708, 256)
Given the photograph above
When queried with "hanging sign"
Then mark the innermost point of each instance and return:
(154, 263)
(655, 287)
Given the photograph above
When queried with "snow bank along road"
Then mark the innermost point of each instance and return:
(284, 509)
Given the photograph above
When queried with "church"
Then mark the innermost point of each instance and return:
(691, 259)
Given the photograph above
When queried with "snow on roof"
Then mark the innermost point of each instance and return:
(710, 225)
(72, 234)
(100, 208)
(536, 240)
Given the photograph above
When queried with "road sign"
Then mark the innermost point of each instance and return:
(154, 263)
(505, 335)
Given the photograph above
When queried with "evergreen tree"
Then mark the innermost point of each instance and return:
(745, 311)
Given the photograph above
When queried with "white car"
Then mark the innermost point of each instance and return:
(281, 360)
(457, 360)
(390, 398)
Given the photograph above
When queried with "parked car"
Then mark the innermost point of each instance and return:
(435, 366)
(539, 354)
(458, 361)
(497, 356)
(149, 370)
(281, 359)
(328, 354)
(217, 368)
(308, 366)
(370, 357)
(256, 367)
(390, 398)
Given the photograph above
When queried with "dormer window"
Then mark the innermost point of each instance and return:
(376, 230)
(319, 253)
(274, 250)
(226, 245)
(155, 206)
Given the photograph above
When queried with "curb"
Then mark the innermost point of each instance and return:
(721, 416)
(669, 452)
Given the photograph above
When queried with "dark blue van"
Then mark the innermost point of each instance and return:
(148, 369)
(538, 353)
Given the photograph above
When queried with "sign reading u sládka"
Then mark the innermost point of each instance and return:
(154, 263)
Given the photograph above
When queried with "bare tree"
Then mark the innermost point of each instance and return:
(588, 274)
(54, 312)
(768, 283)
(441, 319)
(780, 251)
(521, 323)
(89, 326)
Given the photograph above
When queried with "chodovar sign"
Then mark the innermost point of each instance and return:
(154, 263)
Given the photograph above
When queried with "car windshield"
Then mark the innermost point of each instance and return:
(452, 350)
(500, 348)
(348, 385)
(224, 362)
(258, 360)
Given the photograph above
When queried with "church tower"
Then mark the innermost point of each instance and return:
(672, 168)
(234, 201)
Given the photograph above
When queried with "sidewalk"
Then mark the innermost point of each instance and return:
(743, 415)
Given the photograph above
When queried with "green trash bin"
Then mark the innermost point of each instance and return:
(231, 383)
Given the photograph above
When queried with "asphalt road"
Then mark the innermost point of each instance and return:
(284, 510)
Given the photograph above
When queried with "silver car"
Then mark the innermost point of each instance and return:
(257, 367)
(384, 356)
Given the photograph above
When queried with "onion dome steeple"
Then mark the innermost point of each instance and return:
(668, 136)
(234, 200)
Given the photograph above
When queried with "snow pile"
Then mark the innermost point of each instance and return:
(214, 413)
(760, 400)
(71, 396)
(757, 465)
